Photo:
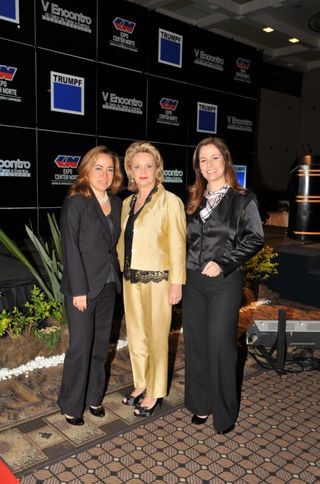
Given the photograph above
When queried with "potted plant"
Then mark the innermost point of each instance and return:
(258, 269)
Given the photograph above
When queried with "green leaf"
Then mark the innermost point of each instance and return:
(56, 235)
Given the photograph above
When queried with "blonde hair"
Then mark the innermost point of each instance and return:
(82, 185)
(142, 147)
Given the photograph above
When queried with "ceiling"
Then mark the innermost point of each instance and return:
(243, 21)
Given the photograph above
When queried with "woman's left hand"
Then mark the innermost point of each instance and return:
(175, 293)
(211, 269)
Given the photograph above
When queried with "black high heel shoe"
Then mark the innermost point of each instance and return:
(195, 419)
(145, 411)
(131, 400)
(74, 420)
(97, 412)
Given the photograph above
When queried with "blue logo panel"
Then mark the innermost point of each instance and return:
(170, 48)
(9, 10)
(67, 93)
(241, 174)
(207, 118)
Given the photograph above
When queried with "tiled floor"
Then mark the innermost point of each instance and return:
(276, 440)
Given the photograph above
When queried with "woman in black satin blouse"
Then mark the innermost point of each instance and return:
(224, 230)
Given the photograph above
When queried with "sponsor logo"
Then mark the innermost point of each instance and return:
(170, 48)
(8, 92)
(207, 118)
(206, 60)
(124, 25)
(67, 93)
(168, 116)
(169, 104)
(113, 102)
(67, 161)
(242, 75)
(122, 38)
(7, 72)
(243, 63)
(173, 176)
(15, 168)
(9, 10)
(52, 12)
(239, 124)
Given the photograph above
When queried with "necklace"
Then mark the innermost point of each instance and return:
(103, 199)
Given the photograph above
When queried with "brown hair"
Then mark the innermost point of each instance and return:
(82, 185)
(142, 147)
(196, 191)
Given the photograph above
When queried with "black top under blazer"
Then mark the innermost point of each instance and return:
(89, 247)
(230, 236)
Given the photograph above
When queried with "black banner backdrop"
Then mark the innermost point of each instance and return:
(121, 102)
(18, 168)
(169, 47)
(239, 121)
(69, 27)
(245, 62)
(175, 168)
(210, 59)
(122, 34)
(17, 20)
(66, 93)
(59, 158)
(206, 114)
(167, 111)
(74, 74)
(17, 86)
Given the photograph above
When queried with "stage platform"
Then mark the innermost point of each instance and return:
(298, 277)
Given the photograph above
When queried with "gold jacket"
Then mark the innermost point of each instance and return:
(159, 238)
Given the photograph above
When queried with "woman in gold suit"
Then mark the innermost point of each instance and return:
(151, 252)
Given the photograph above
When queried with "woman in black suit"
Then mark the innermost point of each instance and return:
(223, 231)
(90, 228)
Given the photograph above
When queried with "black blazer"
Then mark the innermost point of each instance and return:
(230, 236)
(89, 248)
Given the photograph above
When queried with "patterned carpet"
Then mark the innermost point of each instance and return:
(276, 440)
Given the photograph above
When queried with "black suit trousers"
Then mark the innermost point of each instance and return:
(210, 317)
(84, 374)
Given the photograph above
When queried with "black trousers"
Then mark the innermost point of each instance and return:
(84, 374)
(210, 317)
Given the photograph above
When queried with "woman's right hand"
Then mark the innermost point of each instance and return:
(80, 302)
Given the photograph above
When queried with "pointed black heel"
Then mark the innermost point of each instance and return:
(131, 400)
(74, 420)
(195, 419)
(98, 411)
(145, 411)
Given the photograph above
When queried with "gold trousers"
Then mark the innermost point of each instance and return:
(148, 320)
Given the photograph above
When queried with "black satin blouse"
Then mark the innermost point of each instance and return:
(230, 236)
